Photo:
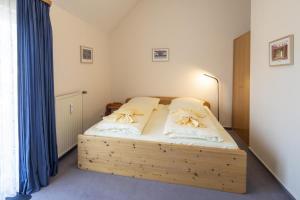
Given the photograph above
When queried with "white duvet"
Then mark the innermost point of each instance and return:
(144, 106)
(154, 132)
(209, 133)
(207, 129)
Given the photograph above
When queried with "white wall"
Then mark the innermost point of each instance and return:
(275, 92)
(200, 36)
(69, 32)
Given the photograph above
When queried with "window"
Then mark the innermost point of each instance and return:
(8, 100)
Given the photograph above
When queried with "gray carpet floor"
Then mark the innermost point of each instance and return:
(74, 184)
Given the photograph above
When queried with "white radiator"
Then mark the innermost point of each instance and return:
(68, 121)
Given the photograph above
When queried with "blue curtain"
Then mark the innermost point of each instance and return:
(37, 134)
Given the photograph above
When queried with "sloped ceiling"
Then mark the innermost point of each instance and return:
(105, 14)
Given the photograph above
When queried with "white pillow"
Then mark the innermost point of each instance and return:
(187, 103)
(145, 101)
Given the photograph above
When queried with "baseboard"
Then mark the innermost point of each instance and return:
(273, 174)
(228, 128)
(67, 152)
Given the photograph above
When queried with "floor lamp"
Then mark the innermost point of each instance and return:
(218, 83)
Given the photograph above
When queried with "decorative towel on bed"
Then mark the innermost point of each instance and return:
(187, 117)
(131, 118)
(185, 121)
(124, 116)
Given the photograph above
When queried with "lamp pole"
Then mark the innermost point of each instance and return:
(217, 80)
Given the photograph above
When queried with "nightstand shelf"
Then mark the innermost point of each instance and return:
(111, 107)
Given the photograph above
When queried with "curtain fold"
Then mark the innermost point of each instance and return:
(8, 100)
(37, 132)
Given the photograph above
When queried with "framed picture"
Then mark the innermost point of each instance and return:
(281, 51)
(160, 55)
(86, 54)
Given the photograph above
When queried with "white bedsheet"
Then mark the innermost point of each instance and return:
(155, 127)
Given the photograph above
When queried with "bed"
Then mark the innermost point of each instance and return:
(155, 156)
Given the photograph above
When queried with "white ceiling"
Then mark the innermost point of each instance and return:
(106, 14)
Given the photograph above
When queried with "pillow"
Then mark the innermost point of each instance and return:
(145, 101)
(187, 103)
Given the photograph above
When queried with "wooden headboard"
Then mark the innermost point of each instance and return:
(167, 100)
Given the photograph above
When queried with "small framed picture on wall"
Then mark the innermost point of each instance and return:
(281, 51)
(86, 55)
(160, 55)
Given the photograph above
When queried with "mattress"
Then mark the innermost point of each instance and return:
(153, 131)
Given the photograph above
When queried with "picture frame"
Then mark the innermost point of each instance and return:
(160, 55)
(281, 51)
(86, 54)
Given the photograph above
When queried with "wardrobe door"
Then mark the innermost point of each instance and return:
(241, 87)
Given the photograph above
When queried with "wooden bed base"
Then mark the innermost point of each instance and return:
(214, 168)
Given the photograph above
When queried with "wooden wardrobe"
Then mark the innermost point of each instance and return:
(241, 86)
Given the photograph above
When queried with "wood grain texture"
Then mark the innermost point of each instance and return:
(167, 100)
(214, 168)
(241, 87)
(49, 2)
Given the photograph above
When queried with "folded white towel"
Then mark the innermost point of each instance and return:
(131, 118)
(124, 115)
(187, 117)
(198, 126)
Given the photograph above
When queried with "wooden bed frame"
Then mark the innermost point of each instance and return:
(214, 168)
